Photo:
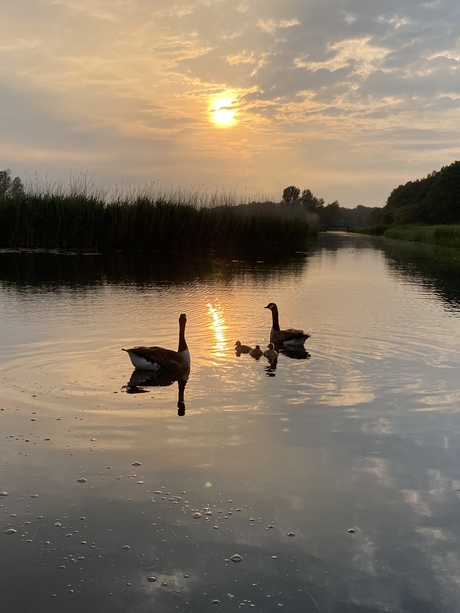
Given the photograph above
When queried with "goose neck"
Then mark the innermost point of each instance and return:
(275, 319)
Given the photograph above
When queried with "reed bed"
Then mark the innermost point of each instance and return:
(83, 221)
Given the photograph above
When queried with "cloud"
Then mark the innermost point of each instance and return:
(88, 74)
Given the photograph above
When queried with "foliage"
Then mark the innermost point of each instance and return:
(8, 186)
(331, 214)
(291, 194)
(432, 200)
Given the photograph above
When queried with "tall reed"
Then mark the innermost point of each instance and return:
(84, 221)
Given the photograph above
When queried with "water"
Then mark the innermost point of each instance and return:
(329, 483)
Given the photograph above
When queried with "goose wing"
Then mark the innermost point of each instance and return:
(294, 332)
(165, 359)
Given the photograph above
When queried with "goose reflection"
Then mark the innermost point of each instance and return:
(296, 353)
(141, 379)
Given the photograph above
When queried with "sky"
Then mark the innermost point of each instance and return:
(346, 98)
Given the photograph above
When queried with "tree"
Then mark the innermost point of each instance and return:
(311, 202)
(291, 194)
(432, 200)
(8, 186)
(332, 215)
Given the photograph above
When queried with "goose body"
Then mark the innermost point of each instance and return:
(160, 359)
(256, 352)
(284, 338)
(239, 348)
(271, 352)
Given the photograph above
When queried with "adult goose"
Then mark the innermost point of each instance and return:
(160, 359)
(284, 338)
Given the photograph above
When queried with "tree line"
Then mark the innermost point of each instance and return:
(331, 214)
(433, 200)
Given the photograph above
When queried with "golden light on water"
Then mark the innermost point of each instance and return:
(222, 112)
(218, 329)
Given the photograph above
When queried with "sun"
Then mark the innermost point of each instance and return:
(222, 112)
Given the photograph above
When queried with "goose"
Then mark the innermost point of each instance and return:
(239, 348)
(162, 360)
(256, 352)
(284, 338)
(271, 352)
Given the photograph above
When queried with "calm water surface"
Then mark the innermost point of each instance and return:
(335, 478)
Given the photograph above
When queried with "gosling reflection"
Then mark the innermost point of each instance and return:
(271, 368)
(141, 379)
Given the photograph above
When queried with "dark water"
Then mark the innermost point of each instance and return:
(335, 478)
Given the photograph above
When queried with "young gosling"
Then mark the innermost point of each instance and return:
(239, 348)
(256, 352)
(270, 353)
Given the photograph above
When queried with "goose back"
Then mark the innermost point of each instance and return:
(161, 359)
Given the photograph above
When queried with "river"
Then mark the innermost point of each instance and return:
(328, 481)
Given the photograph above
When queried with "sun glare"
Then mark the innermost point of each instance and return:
(222, 112)
(218, 328)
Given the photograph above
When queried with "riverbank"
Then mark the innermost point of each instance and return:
(446, 236)
(80, 221)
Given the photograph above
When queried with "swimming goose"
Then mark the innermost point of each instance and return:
(270, 353)
(239, 348)
(256, 352)
(159, 359)
(284, 337)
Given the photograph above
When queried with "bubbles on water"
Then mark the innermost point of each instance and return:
(197, 515)
(3, 494)
(136, 464)
(82, 480)
(10, 531)
(151, 579)
(236, 557)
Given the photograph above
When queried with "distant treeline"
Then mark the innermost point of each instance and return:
(433, 200)
(331, 214)
(81, 221)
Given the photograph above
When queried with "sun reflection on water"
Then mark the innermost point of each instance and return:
(218, 328)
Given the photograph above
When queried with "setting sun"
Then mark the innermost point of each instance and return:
(222, 112)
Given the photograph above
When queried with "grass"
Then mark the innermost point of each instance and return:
(373, 230)
(79, 220)
(445, 235)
